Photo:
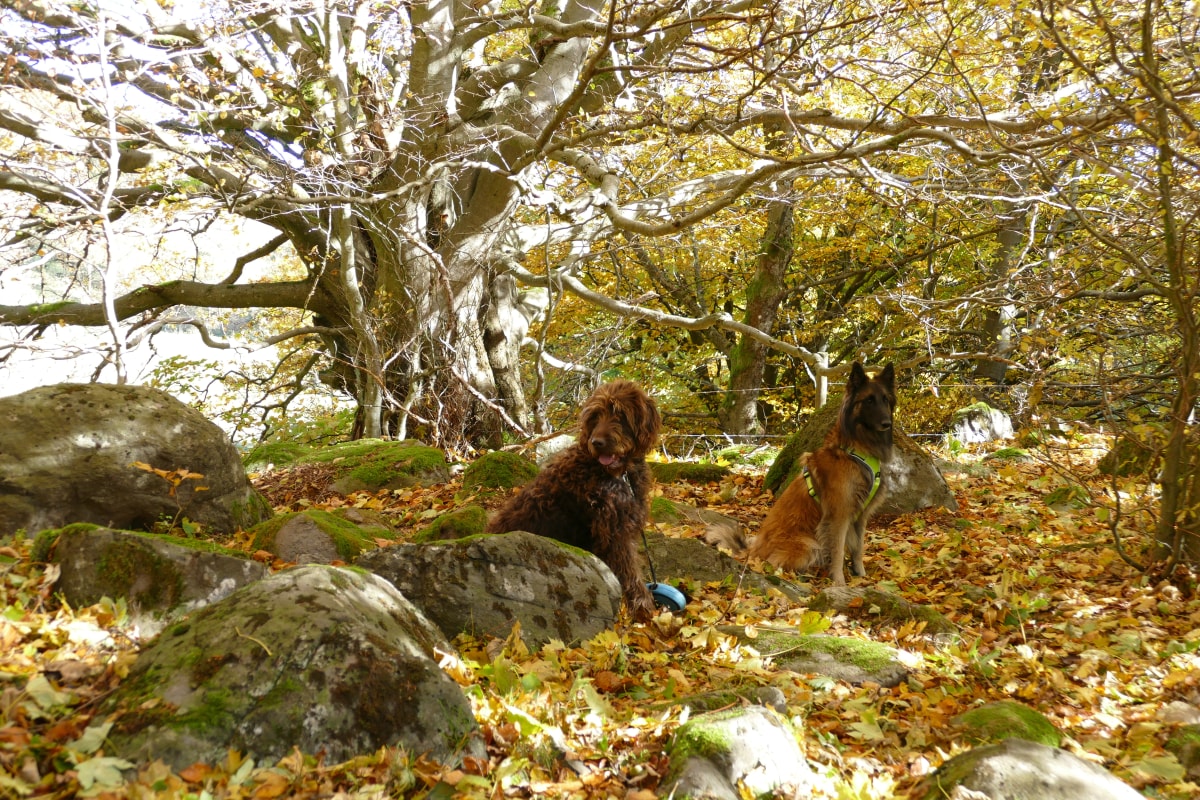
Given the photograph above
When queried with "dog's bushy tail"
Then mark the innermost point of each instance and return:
(730, 535)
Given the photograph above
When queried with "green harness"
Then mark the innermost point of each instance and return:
(870, 466)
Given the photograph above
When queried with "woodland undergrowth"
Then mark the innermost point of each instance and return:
(1050, 615)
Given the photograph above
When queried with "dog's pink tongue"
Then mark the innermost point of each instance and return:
(606, 460)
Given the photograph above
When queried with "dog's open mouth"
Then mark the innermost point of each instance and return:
(609, 461)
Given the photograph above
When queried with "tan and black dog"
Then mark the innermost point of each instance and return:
(823, 513)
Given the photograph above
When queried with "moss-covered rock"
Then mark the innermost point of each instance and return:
(159, 576)
(1018, 768)
(839, 657)
(873, 605)
(684, 562)
(743, 752)
(498, 470)
(691, 472)
(998, 721)
(122, 456)
(274, 454)
(664, 511)
(1133, 454)
(375, 464)
(483, 584)
(752, 455)
(313, 537)
(458, 524)
(315, 657)
(1184, 742)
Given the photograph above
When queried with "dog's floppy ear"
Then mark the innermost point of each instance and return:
(587, 419)
(649, 423)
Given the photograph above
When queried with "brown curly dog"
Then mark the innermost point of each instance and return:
(596, 493)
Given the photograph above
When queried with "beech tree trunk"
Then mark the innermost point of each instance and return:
(748, 357)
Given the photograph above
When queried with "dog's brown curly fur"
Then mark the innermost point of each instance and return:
(596, 494)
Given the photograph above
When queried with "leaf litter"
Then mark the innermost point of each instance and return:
(1049, 615)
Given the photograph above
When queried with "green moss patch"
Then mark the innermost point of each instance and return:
(278, 454)
(868, 656)
(128, 568)
(459, 524)
(43, 543)
(373, 464)
(699, 472)
(1009, 454)
(1185, 745)
(664, 511)
(347, 538)
(703, 737)
(499, 470)
(1005, 719)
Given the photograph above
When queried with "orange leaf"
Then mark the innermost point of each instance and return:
(270, 785)
(195, 773)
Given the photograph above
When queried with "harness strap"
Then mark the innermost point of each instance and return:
(870, 468)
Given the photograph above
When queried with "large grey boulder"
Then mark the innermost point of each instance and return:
(1016, 769)
(68, 454)
(842, 658)
(728, 755)
(159, 577)
(686, 561)
(483, 584)
(315, 657)
(315, 536)
(978, 423)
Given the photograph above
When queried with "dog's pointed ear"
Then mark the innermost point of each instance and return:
(858, 377)
(888, 379)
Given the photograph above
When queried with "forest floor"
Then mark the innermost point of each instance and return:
(1069, 628)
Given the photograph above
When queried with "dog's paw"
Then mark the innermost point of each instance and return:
(641, 605)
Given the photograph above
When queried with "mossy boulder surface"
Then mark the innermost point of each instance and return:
(681, 562)
(498, 470)
(754, 455)
(1001, 720)
(122, 456)
(313, 537)
(873, 605)
(1185, 744)
(1132, 454)
(690, 472)
(483, 584)
(753, 748)
(1017, 768)
(839, 657)
(458, 524)
(159, 576)
(315, 657)
(375, 464)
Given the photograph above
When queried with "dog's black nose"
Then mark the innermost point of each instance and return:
(599, 443)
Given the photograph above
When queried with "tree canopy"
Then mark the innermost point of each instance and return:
(743, 195)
